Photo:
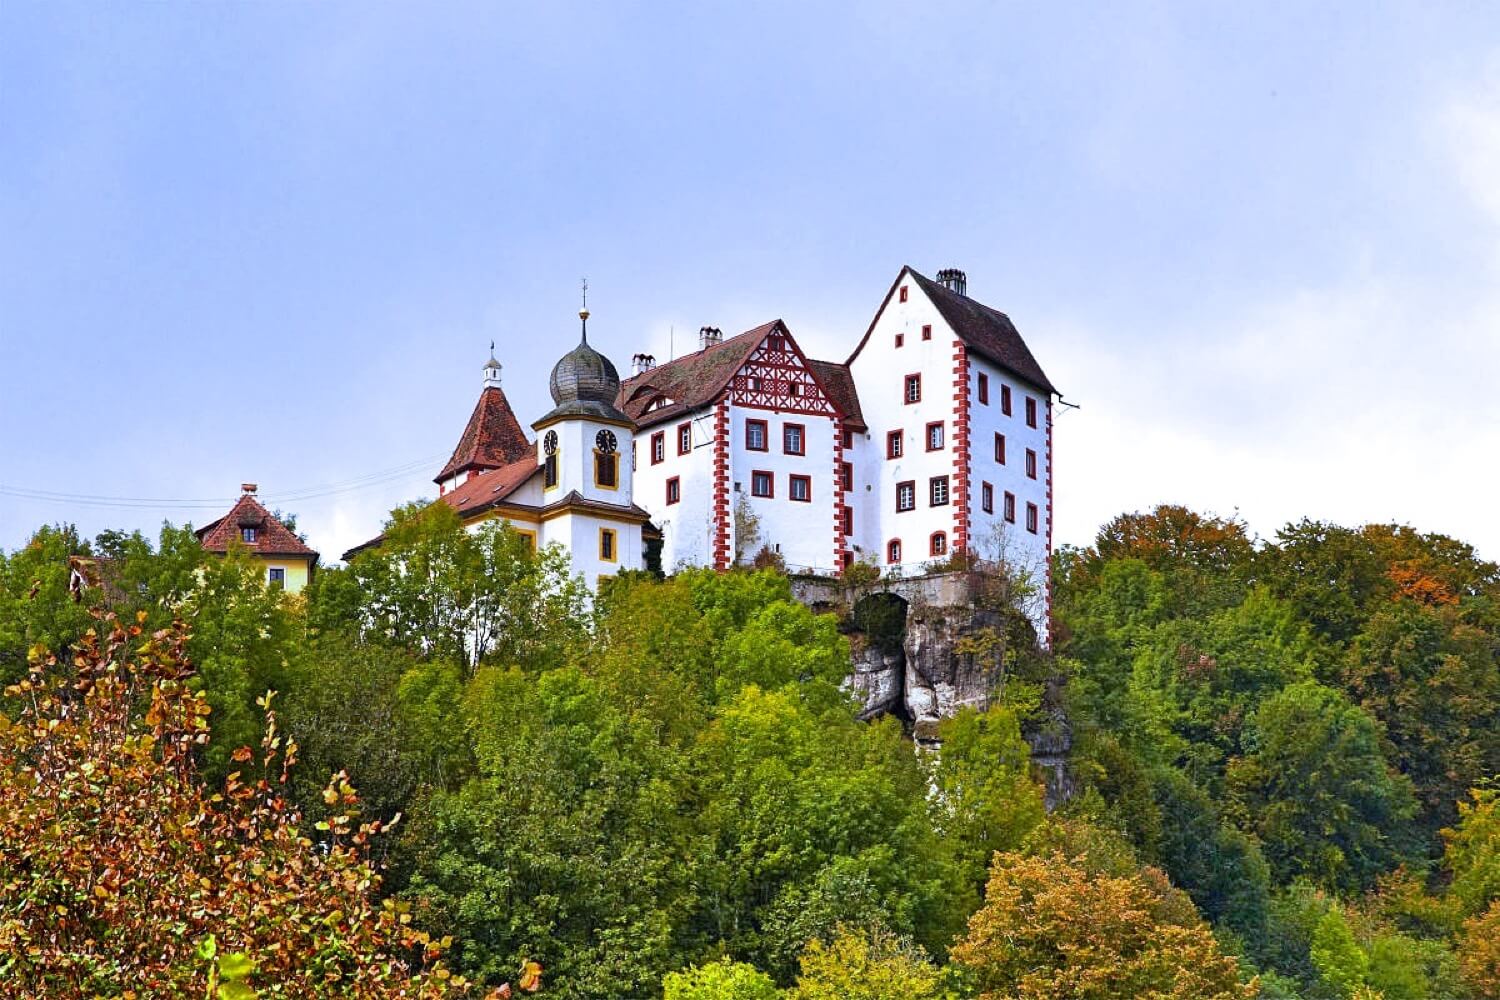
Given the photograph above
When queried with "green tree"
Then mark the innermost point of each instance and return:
(721, 980)
(1317, 791)
(874, 966)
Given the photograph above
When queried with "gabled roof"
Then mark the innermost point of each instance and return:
(492, 439)
(272, 538)
(988, 332)
(838, 382)
(690, 382)
(491, 487)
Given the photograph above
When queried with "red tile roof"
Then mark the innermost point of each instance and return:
(492, 439)
(272, 538)
(838, 382)
(491, 486)
(690, 382)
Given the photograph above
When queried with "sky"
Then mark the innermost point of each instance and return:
(1257, 244)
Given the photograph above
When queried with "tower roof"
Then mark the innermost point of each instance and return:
(584, 383)
(492, 438)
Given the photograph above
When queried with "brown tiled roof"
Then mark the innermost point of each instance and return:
(986, 331)
(691, 382)
(272, 538)
(838, 382)
(493, 437)
(490, 487)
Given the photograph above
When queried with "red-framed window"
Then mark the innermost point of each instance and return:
(799, 488)
(937, 544)
(1030, 464)
(757, 436)
(848, 438)
(658, 447)
(983, 383)
(935, 436)
(1005, 400)
(762, 484)
(684, 438)
(794, 439)
(846, 475)
(893, 550)
(1010, 507)
(893, 444)
(912, 391)
(1000, 447)
(906, 495)
(848, 520)
(674, 489)
(900, 340)
(986, 498)
(937, 491)
(927, 331)
(1031, 518)
(1030, 412)
(903, 293)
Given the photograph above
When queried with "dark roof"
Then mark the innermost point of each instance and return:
(272, 538)
(584, 383)
(493, 437)
(987, 332)
(691, 382)
(838, 382)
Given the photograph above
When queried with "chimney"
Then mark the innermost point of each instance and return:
(642, 363)
(708, 336)
(248, 488)
(954, 280)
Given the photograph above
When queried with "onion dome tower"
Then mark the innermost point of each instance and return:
(584, 383)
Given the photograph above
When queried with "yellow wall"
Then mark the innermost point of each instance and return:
(297, 571)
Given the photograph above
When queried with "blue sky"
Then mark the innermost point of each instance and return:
(1259, 244)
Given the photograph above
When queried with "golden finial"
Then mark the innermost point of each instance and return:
(583, 313)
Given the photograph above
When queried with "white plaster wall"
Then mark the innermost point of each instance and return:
(579, 534)
(686, 527)
(575, 458)
(990, 533)
(804, 531)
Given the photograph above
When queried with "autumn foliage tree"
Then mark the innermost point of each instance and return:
(122, 876)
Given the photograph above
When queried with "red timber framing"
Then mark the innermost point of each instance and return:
(721, 484)
(1048, 460)
(777, 377)
(840, 541)
(960, 447)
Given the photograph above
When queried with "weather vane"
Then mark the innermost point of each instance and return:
(583, 313)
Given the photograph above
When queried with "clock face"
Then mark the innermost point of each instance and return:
(549, 443)
(605, 441)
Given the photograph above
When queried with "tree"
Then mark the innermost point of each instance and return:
(1051, 927)
(1479, 953)
(721, 980)
(121, 875)
(37, 606)
(873, 966)
(1316, 790)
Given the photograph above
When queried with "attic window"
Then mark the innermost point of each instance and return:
(658, 403)
(903, 293)
(247, 535)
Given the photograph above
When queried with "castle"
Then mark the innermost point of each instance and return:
(933, 440)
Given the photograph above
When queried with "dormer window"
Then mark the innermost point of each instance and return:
(247, 535)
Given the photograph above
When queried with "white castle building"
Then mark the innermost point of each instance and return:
(933, 439)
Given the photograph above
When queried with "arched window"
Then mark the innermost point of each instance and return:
(939, 543)
(893, 551)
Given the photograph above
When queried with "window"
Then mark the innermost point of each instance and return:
(846, 476)
(756, 435)
(1010, 507)
(906, 496)
(935, 436)
(900, 339)
(247, 535)
(607, 544)
(1030, 412)
(1005, 400)
(1031, 518)
(549, 463)
(938, 544)
(1030, 464)
(848, 520)
(762, 484)
(795, 388)
(937, 491)
(276, 576)
(848, 439)
(893, 550)
(927, 332)
(799, 488)
(913, 389)
(658, 447)
(684, 438)
(1000, 448)
(793, 439)
(606, 470)
(903, 293)
(987, 498)
(984, 389)
(674, 489)
(893, 444)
